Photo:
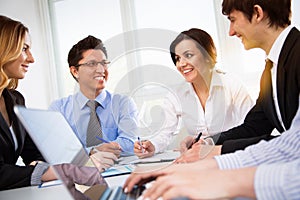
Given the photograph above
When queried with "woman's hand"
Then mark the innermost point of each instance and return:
(145, 150)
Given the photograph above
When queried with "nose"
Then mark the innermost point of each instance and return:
(29, 58)
(181, 63)
(101, 68)
(231, 30)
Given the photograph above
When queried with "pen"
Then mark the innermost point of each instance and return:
(101, 139)
(139, 139)
(196, 140)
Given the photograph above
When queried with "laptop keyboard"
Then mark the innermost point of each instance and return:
(118, 193)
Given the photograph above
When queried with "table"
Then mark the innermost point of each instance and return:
(36, 193)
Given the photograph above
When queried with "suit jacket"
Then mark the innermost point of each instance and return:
(262, 118)
(11, 175)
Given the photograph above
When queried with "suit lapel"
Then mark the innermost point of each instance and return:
(5, 132)
(10, 101)
(281, 72)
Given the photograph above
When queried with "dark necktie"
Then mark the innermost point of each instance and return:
(267, 80)
(94, 127)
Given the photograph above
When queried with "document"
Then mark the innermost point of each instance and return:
(167, 156)
(118, 170)
(50, 183)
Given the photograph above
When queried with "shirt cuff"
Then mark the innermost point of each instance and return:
(158, 148)
(39, 170)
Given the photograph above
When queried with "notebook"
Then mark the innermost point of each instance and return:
(52, 135)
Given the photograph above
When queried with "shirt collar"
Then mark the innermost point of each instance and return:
(216, 81)
(82, 100)
(278, 44)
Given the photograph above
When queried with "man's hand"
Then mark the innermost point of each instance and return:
(112, 147)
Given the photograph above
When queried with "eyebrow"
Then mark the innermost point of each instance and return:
(187, 51)
(26, 45)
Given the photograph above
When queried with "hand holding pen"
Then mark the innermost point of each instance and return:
(195, 140)
(143, 148)
(141, 145)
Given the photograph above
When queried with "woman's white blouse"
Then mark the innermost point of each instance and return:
(226, 107)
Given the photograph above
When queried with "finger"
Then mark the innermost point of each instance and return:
(183, 147)
(158, 188)
(137, 150)
(137, 146)
(137, 179)
(110, 156)
(116, 146)
(175, 192)
(143, 155)
(179, 160)
(131, 181)
(108, 161)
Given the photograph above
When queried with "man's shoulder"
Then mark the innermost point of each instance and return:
(62, 102)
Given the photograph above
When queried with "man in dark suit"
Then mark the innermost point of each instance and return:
(266, 25)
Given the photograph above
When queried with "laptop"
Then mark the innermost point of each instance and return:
(58, 144)
(52, 135)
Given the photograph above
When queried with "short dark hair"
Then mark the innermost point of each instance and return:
(279, 11)
(204, 43)
(90, 42)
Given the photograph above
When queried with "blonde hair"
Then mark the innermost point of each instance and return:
(12, 37)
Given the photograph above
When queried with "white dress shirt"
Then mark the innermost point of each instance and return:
(274, 57)
(227, 105)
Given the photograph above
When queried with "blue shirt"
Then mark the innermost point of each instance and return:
(117, 113)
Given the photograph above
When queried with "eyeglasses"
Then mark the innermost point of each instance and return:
(104, 63)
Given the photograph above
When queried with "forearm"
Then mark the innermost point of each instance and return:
(281, 149)
(49, 175)
(278, 181)
(239, 182)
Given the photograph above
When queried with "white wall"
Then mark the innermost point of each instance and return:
(36, 87)
(39, 87)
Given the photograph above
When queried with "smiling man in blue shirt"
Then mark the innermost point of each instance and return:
(117, 113)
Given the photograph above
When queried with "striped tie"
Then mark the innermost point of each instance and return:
(94, 127)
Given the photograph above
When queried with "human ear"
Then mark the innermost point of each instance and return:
(74, 72)
(258, 13)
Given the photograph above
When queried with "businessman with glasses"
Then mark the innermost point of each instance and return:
(115, 114)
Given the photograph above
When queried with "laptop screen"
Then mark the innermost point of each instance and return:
(52, 135)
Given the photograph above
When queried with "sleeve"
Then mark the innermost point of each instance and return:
(281, 149)
(55, 106)
(242, 102)
(39, 170)
(14, 176)
(230, 146)
(170, 121)
(278, 181)
(255, 124)
(125, 111)
(30, 152)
